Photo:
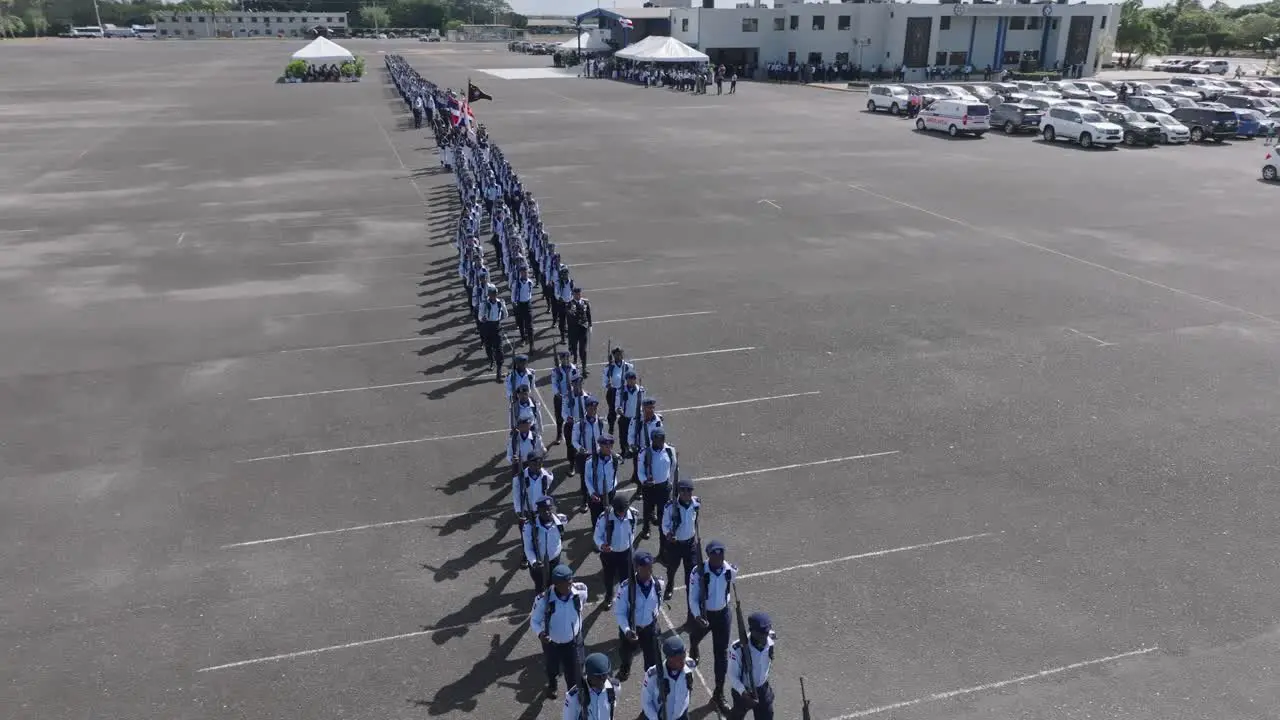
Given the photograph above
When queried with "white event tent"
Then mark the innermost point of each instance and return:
(660, 48)
(589, 43)
(323, 50)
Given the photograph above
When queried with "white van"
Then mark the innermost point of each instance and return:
(1210, 67)
(956, 117)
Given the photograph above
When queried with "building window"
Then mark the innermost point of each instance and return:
(191, 32)
(819, 22)
(684, 24)
(1035, 23)
(279, 19)
(842, 22)
(944, 22)
(795, 22)
(1054, 24)
(164, 32)
(750, 24)
(958, 59)
(187, 19)
(329, 20)
(842, 58)
(779, 23)
(815, 58)
(1018, 22)
(940, 58)
(1103, 26)
(253, 19)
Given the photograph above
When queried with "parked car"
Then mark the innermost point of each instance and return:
(1178, 101)
(926, 92)
(956, 117)
(1248, 122)
(982, 92)
(1137, 130)
(1002, 88)
(1172, 90)
(1146, 88)
(1069, 90)
(1085, 127)
(1269, 167)
(955, 92)
(1042, 102)
(1273, 90)
(1207, 124)
(1097, 91)
(893, 98)
(1172, 132)
(1038, 88)
(1014, 118)
(1143, 103)
(1201, 86)
(1244, 101)
(1210, 67)
(1085, 104)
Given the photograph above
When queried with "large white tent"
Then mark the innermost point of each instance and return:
(589, 43)
(660, 48)
(323, 50)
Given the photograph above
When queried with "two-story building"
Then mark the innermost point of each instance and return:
(236, 23)
(914, 36)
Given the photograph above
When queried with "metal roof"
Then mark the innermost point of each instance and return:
(641, 13)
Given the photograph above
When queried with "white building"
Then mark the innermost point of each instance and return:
(915, 36)
(234, 23)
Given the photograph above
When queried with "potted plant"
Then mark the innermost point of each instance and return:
(295, 71)
(348, 70)
(359, 68)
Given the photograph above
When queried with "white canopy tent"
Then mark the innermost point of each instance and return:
(660, 48)
(589, 43)
(323, 50)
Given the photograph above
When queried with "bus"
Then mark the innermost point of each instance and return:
(144, 31)
(87, 31)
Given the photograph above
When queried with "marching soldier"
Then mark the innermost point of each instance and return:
(560, 376)
(520, 374)
(543, 541)
(709, 591)
(575, 408)
(679, 532)
(522, 298)
(600, 475)
(637, 625)
(629, 398)
(557, 619)
(658, 470)
(603, 697)
(615, 536)
(563, 294)
(530, 485)
(642, 432)
(492, 312)
(587, 431)
(759, 700)
(676, 674)
(613, 379)
(578, 311)
(525, 406)
(523, 442)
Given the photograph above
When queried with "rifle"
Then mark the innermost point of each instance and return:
(744, 658)
(631, 589)
(660, 676)
(804, 703)
(546, 561)
(584, 690)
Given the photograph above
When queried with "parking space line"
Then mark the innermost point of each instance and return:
(1050, 251)
(351, 259)
(570, 225)
(341, 312)
(413, 383)
(503, 508)
(606, 262)
(363, 344)
(584, 242)
(525, 615)
(633, 287)
(655, 317)
(993, 686)
(415, 441)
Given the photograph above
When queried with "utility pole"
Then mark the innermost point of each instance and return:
(97, 15)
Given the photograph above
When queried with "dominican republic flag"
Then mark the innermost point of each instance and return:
(626, 23)
(460, 113)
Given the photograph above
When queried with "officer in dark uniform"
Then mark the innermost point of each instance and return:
(578, 317)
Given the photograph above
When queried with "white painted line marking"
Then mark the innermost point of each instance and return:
(656, 317)
(180, 236)
(308, 453)
(413, 383)
(584, 242)
(1101, 343)
(342, 312)
(633, 287)
(1051, 251)
(523, 616)
(350, 259)
(741, 402)
(399, 159)
(744, 473)
(697, 672)
(774, 204)
(864, 556)
(606, 262)
(993, 686)
(363, 344)
(571, 225)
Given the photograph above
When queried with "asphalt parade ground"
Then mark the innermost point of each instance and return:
(987, 425)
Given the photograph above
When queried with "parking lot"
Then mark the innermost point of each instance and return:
(982, 421)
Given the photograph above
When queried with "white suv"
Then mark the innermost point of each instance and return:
(1078, 125)
(888, 97)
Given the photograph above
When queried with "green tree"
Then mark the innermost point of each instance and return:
(374, 16)
(1139, 31)
(1252, 28)
(36, 21)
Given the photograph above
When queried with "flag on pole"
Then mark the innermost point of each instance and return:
(626, 23)
(474, 93)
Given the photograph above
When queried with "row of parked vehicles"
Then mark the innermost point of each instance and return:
(1092, 112)
(1196, 67)
(532, 48)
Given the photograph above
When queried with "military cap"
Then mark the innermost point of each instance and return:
(715, 546)
(672, 646)
(562, 572)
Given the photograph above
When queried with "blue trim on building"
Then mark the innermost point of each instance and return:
(973, 32)
(997, 63)
(598, 13)
(1044, 44)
